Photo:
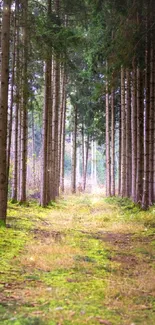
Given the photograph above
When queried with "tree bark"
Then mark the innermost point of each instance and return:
(128, 135)
(86, 163)
(112, 144)
(123, 135)
(56, 122)
(62, 172)
(120, 156)
(10, 119)
(108, 162)
(44, 180)
(83, 154)
(145, 199)
(44, 198)
(24, 107)
(16, 117)
(134, 131)
(74, 152)
(5, 35)
(151, 119)
(61, 123)
(140, 134)
(33, 148)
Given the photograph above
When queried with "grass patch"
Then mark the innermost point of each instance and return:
(83, 260)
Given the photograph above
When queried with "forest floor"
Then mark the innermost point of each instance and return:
(84, 260)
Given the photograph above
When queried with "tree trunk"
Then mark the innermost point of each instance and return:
(123, 135)
(74, 153)
(24, 107)
(83, 153)
(78, 176)
(5, 34)
(140, 136)
(128, 135)
(112, 144)
(62, 172)
(10, 120)
(92, 163)
(95, 164)
(108, 162)
(120, 156)
(44, 181)
(151, 121)
(33, 149)
(61, 123)
(44, 198)
(49, 130)
(86, 163)
(56, 123)
(16, 117)
(134, 131)
(145, 199)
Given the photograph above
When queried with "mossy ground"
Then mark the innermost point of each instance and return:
(84, 260)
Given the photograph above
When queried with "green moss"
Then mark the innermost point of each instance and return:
(79, 294)
(2, 224)
(23, 321)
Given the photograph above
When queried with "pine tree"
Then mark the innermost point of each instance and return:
(4, 76)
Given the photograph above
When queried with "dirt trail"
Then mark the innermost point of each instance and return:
(82, 262)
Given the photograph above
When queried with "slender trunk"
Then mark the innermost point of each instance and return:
(61, 123)
(49, 132)
(151, 124)
(95, 164)
(83, 154)
(92, 163)
(19, 147)
(86, 163)
(44, 182)
(53, 134)
(56, 106)
(63, 145)
(16, 117)
(73, 173)
(44, 199)
(56, 122)
(78, 168)
(123, 135)
(154, 147)
(120, 157)
(134, 131)
(128, 135)
(108, 162)
(24, 108)
(140, 133)
(33, 149)
(145, 199)
(112, 144)
(11, 97)
(5, 34)
(154, 129)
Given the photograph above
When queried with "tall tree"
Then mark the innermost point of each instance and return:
(112, 143)
(74, 152)
(44, 179)
(24, 105)
(108, 160)
(5, 35)
(123, 134)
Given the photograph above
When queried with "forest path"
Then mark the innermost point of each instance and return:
(86, 260)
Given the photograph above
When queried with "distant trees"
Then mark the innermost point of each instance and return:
(54, 56)
(135, 66)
